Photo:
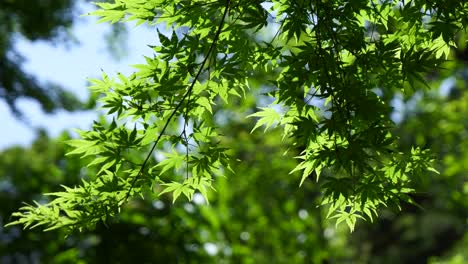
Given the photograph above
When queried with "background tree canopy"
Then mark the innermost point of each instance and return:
(39, 21)
(320, 78)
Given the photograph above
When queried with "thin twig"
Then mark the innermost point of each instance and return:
(189, 91)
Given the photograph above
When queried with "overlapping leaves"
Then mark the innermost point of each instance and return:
(332, 68)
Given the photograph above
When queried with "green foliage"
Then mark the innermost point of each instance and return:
(331, 69)
(437, 233)
(261, 214)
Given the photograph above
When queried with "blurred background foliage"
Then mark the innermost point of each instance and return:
(258, 215)
(42, 20)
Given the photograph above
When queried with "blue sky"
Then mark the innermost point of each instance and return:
(69, 67)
